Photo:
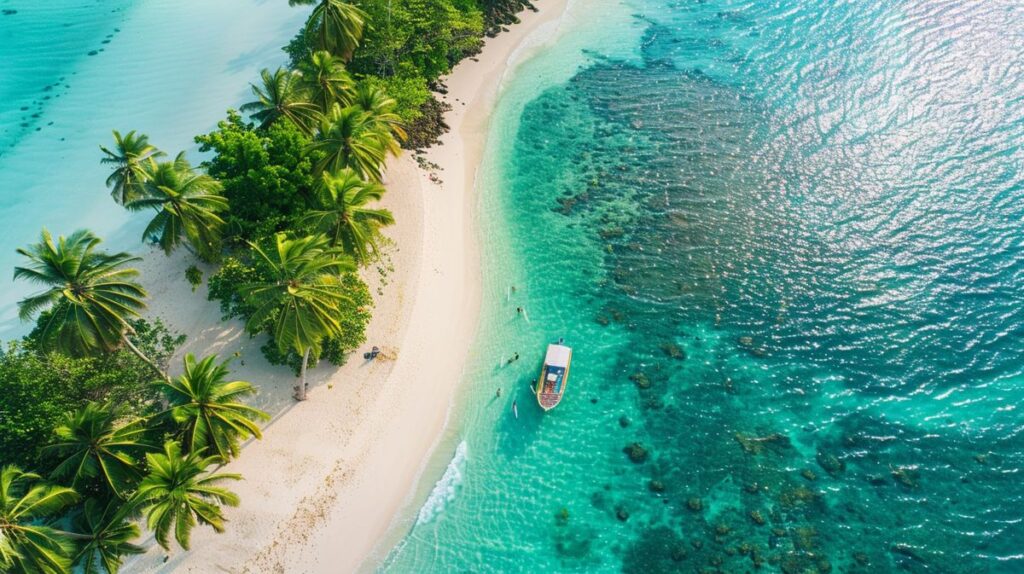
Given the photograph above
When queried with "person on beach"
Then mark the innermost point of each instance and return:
(519, 310)
(498, 394)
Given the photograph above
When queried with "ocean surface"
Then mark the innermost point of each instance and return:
(786, 241)
(73, 70)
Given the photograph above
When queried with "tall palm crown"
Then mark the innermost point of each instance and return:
(130, 156)
(91, 445)
(26, 544)
(106, 536)
(281, 95)
(345, 216)
(187, 204)
(381, 108)
(178, 494)
(325, 81)
(205, 405)
(350, 138)
(303, 293)
(338, 25)
(90, 294)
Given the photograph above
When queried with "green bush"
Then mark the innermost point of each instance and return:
(417, 38)
(39, 387)
(267, 175)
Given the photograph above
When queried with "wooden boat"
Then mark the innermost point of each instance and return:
(554, 376)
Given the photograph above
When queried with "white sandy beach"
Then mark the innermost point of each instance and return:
(326, 488)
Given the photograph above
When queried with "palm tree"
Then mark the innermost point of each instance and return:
(178, 494)
(91, 445)
(26, 543)
(281, 96)
(130, 156)
(301, 297)
(325, 81)
(186, 202)
(381, 108)
(350, 138)
(104, 534)
(206, 407)
(90, 294)
(338, 25)
(344, 215)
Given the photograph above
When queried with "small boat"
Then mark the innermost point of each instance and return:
(554, 376)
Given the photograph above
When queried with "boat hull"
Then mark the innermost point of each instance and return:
(554, 376)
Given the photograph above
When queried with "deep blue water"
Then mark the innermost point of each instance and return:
(786, 240)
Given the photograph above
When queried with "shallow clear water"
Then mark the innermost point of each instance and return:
(785, 240)
(73, 70)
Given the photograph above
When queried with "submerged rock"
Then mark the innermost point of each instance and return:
(562, 517)
(830, 463)
(641, 380)
(757, 445)
(695, 504)
(673, 351)
(906, 476)
(636, 452)
(757, 518)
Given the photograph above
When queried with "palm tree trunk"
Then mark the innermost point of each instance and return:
(300, 393)
(135, 351)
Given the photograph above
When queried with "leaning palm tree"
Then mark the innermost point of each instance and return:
(130, 156)
(90, 295)
(381, 108)
(281, 96)
(27, 544)
(338, 25)
(187, 203)
(350, 138)
(178, 494)
(207, 410)
(302, 296)
(91, 445)
(325, 81)
(344, 215)
(104, 535)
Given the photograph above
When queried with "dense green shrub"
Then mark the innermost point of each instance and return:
(417, 38)
(39, 387)
(267, 175)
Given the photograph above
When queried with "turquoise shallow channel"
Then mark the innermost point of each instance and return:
(785, 241)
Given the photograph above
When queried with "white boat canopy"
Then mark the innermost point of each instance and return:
(557, 356)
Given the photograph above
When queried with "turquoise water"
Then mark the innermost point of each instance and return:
(785, 240)
(73, 70)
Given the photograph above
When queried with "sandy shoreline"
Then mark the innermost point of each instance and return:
(324, 489)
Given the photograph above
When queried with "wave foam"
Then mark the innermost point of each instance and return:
(445, 488)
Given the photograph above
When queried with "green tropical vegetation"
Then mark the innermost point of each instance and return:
(343, 215)
(285, 208)
(205, 407)
(27, 543)
(131, 155)
(91, 444)
(186, 202)
(299, 300)
(180, 493)
(90, 295)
